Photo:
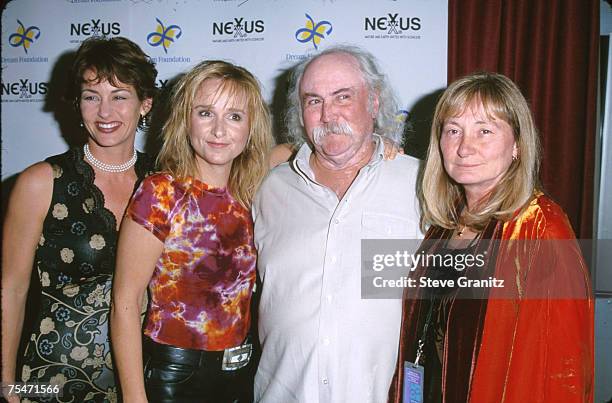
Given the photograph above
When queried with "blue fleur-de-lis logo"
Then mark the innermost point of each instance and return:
(402, 116)
(164, 36)
(24, 36)
(314, 32)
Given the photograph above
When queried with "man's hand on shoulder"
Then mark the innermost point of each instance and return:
(391, 149)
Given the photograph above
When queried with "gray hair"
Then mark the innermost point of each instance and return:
(386, 123)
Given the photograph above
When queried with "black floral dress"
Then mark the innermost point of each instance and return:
(75, 259)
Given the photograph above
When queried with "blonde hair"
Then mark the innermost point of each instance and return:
(440, 196)
(177, 156)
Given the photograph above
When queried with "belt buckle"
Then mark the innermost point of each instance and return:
(236, 357)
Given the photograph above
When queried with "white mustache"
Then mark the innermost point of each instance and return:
(342, 128)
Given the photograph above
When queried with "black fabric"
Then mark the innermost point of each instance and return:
(440, 301)
(180, 375)
(75, 259)
(459, 314)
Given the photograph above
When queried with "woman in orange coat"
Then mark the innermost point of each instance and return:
(519, 326)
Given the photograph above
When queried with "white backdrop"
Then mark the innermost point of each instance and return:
(409, 37)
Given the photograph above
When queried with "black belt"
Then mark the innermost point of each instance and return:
(178, 355)
(225, 360)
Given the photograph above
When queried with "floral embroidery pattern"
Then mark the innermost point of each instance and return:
(79, 353)
(59, 379)
(88, 205)
(71, 333)
(70, 291)
(72, 189)
(25, 373)
(86, 268)
(97, 296)
(47, 326)
(67, 255)
(60, 211)
(78, 228)
(69, 345)
(97, 242)
(44, 279)
(57, 171)
(62, 314)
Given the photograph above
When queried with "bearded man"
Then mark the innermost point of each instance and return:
(321, 342)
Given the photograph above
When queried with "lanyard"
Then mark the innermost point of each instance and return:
(421, 342)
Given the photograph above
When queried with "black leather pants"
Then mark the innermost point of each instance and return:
(181, 375)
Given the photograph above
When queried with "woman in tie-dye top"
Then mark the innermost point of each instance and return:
(188, 236)
(202, 282)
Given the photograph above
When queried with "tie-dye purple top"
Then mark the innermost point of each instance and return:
(201, 287)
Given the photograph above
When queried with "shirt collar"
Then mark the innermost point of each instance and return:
(301, 162)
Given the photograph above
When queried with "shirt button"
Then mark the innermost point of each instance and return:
(333, 259)
(326, 341)
(329, 297)
(336, 221)
(325, 381)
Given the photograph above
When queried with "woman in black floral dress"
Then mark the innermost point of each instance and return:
(63, 218)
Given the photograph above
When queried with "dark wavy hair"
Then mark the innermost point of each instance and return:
(113, 59)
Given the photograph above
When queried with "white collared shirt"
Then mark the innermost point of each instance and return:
(321, 341)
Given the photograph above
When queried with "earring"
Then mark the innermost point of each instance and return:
(514, 153)
(82, 124)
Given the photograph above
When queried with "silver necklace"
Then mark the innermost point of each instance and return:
(102, 166)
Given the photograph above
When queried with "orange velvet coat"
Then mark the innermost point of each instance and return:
(536, 342)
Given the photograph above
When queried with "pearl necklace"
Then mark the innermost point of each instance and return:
(102, 166)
